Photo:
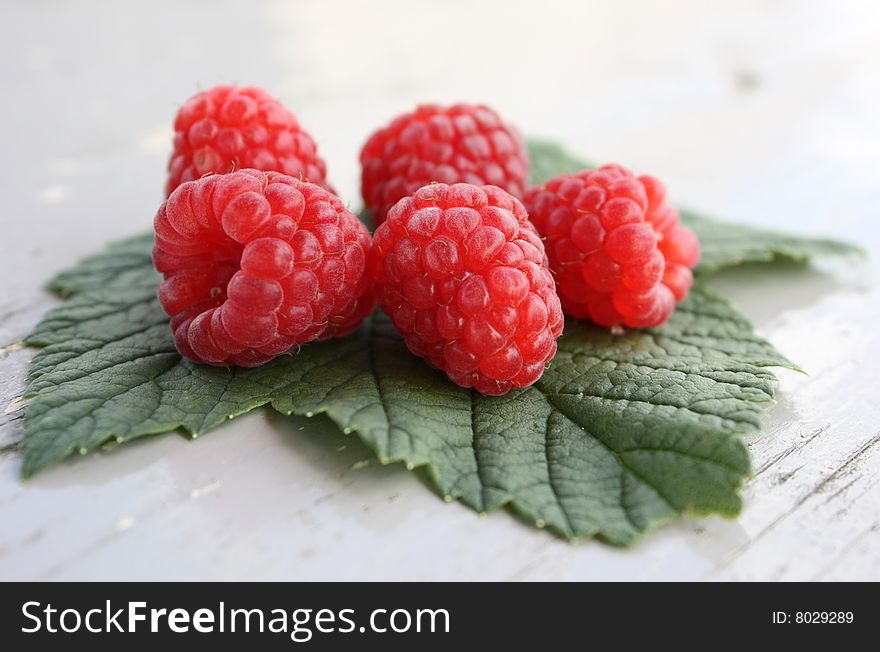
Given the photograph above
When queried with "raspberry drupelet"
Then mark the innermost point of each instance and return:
(614, 241)
(462, 274)
(228, 128)
(255, 263)
(461, 143)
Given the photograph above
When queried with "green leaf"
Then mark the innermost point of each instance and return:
(126, 257)
(726, 245)
(723, 244)
(623, 432)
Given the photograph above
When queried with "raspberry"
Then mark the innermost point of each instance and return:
(463, 276)
(461, 143)
(256, 263)
(228, 128)
(620, 256)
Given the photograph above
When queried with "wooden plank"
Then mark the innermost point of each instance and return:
(778, 130)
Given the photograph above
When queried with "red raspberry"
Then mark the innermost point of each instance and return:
(615, 243)
(256, 263)
(461, 143)
(463, 276)
(229, 128)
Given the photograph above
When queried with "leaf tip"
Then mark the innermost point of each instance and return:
(29, 466)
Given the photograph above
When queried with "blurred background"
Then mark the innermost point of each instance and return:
(743, 108)
(761, 111)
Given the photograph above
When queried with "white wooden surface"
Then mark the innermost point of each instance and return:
(761, 111)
